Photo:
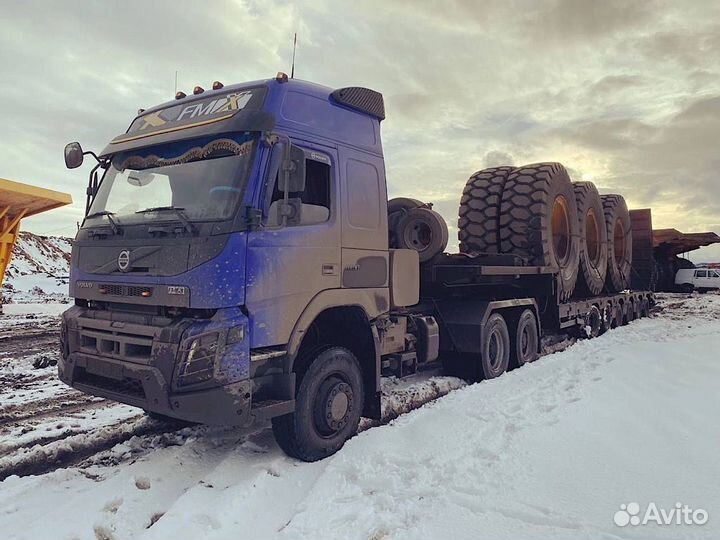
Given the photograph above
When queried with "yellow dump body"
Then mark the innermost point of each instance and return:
(18, 201)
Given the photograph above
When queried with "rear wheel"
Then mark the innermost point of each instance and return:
(687, 287)
(495, 347)
(538, 221)
(525, 344)
(328, 405)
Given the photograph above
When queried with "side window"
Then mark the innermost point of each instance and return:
(714, 274)
(701, 273)
(313, 203)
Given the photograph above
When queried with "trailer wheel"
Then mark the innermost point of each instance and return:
(538, 221)
(479, 212)
(619, 237)
(495, 348)
(397, 208)
(423, 230)
(593, 239)
(525, 345)
(629, 313)
(594, 320)
(328, 405)
(608, 315)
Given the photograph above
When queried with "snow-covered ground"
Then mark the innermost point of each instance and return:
(551, 450)
(38, 271)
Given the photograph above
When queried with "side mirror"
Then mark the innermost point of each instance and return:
(292, 171)
(73, 155)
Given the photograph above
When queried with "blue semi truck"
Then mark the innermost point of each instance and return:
(239, 261)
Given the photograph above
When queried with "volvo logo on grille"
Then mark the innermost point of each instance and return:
(124, 260)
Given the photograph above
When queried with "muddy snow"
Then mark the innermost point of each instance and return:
(551, 450)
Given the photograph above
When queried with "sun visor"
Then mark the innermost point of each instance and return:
(237, 110)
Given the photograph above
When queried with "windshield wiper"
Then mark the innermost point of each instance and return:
(179, 212)
(113, 224)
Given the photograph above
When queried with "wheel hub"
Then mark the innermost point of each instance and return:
(334, 405)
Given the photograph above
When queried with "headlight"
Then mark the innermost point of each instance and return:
(198, 360)
(200, 356)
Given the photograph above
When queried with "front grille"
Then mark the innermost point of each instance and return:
(126, 386)
(126, 290)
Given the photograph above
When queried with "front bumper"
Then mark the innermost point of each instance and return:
(135, 364)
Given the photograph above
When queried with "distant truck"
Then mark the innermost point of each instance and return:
(699, 279)
(240, 261)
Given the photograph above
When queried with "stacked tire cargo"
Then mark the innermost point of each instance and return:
(536, 212)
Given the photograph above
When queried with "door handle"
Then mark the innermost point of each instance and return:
(329, 269)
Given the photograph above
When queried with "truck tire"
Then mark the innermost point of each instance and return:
(629, 313)
(619, 238)
(478, 216)
(644, 308)
(593, 240)
(525, 343)
(328, 404)
(397, 208)
(594, 321)
(495, 357)
(423, 230)
(538, 221)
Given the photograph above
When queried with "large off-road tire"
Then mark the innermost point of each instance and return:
(495, 348)
(479, 212)
(538, 221)
(397, 208)
(593, 240)
(423, 230)
(328, 406)
(619, 239)
(526, 340)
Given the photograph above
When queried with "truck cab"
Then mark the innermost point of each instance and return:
(220, 246)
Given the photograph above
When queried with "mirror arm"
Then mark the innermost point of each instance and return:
(93, 154)
(276, 137)
(92, 184)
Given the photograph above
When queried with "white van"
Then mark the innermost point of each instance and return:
(702, 279)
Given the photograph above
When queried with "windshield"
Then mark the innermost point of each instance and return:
(203, 178)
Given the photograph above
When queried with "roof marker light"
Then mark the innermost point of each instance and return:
(180, 95)
(198, 90)
(217, 85)
(281, 77)
(140, 111)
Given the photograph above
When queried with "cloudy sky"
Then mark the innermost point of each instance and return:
(626, 94)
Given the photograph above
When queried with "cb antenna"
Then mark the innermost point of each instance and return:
(292, 68)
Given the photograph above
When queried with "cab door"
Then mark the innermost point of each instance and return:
(287, 265)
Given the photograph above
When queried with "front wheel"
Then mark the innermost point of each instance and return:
(328, 405)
